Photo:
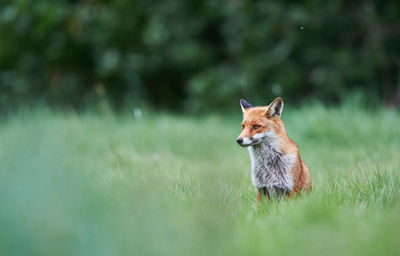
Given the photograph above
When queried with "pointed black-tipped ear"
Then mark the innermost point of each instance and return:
(275, 108)
(244, 105)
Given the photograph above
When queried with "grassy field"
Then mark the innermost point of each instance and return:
(91, 184)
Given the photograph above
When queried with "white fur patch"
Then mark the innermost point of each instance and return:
(246, 142)
(270, 168)
(259, 136)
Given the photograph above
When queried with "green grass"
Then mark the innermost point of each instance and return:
(91, 184)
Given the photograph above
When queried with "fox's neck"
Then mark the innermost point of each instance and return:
(270, 167)
(268, 151)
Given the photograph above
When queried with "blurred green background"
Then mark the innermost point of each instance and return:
(118, 122)
(197, 55)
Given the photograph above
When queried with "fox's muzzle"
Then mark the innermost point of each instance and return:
(247, 141)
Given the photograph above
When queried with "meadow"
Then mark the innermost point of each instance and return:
(163, 184)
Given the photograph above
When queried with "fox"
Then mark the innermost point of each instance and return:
(277, 170)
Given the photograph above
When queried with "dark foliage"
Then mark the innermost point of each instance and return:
(197, 55)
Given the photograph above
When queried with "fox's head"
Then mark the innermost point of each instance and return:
(261, 123)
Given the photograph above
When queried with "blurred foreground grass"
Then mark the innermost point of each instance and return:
(86, 184)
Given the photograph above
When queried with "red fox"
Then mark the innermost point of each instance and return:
(276, 166)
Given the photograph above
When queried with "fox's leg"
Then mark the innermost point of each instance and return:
(258, 196)
(290, 195)
(262, 192)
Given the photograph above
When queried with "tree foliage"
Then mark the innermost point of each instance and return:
(196, 55)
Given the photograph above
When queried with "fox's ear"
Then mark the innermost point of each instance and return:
(245, 105)
(275, 108)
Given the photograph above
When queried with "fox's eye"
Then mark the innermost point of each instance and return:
(256, 126)
(242, 126)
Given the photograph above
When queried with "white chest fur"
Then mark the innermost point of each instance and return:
(270, 168)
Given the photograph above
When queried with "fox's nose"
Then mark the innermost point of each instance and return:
(239, 140)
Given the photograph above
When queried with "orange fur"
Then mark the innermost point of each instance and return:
(261, 116)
